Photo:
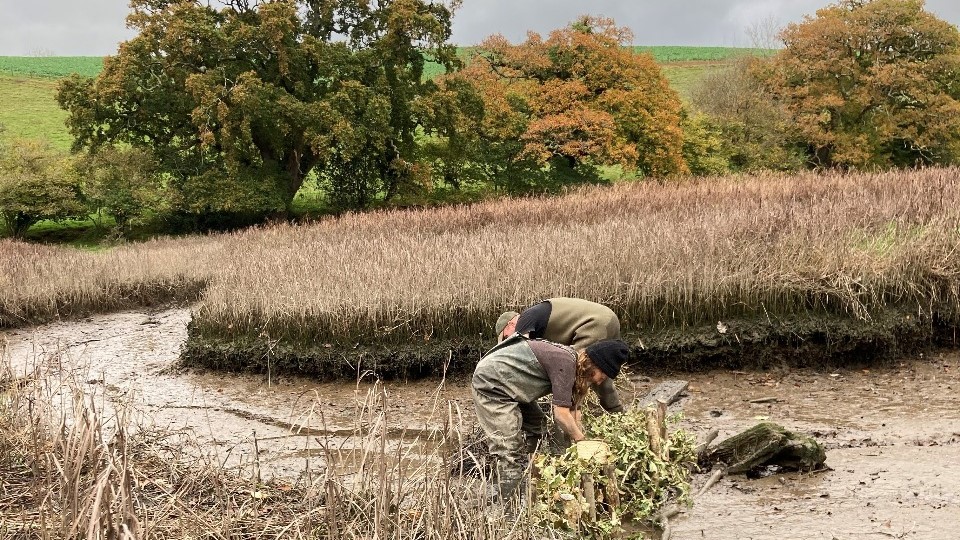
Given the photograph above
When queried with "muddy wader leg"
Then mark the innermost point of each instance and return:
(502, 421)
(534, 425)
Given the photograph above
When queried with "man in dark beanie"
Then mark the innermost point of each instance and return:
(512, 376)
(575, 322)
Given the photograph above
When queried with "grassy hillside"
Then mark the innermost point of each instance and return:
(28, 108)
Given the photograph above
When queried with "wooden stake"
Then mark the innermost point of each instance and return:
(657, 427)
(613, 486)
(705, 442)
(589, 493)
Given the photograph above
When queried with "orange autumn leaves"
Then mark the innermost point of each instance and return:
(871, 84)
(579, 97)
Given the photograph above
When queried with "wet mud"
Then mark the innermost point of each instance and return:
(892, 432)
(892, 436)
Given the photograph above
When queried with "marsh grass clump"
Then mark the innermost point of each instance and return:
(790, 259)
(40, 283)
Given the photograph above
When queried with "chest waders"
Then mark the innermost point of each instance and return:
(507, 383)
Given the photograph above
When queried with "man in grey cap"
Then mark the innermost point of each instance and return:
(575, 322)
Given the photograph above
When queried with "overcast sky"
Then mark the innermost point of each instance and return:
(95, 27)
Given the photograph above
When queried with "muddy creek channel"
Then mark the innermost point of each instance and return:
(892, 432)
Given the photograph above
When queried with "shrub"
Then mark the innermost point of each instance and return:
(122, 184)
(35, 184)
(754, 131)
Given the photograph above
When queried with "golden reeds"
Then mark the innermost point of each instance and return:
(39, 283)
(663, 255)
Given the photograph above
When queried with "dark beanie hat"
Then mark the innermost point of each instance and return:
(609, 355)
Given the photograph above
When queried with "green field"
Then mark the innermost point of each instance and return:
(51, 67)
(676, 53)
(28, 106)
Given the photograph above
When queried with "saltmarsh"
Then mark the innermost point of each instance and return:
(814, 266)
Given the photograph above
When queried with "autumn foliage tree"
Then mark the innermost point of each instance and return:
(240, 103)
(578, 97)
(871, 84)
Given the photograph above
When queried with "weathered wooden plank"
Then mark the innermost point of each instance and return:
(667, 391)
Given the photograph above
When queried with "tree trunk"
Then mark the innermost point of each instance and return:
(767, 444)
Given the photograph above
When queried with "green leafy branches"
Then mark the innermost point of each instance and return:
(646, 478)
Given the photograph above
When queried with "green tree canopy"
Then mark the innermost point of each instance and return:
(35, 183)
(872, 83)
(241, 103)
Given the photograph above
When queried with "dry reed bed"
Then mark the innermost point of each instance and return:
(40, 283)
(672, 255)
(70, 470)
(662, 255)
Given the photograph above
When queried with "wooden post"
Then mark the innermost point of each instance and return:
(590, 494)
(657, 427)
(613, 486)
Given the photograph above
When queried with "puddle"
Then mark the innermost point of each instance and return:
(892, 433)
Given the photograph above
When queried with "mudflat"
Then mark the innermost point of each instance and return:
(892, 431)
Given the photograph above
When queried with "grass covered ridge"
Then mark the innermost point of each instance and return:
(797, 262)
(802, 266)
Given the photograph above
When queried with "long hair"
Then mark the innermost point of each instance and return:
(581, 383)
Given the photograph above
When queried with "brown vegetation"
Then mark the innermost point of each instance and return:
(69, 469)
(41, 283)
(867, 248)
(661, 255)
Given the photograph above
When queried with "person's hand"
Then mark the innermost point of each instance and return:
(565, 418)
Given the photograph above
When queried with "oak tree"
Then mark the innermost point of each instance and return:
(241, 103)
(580, 96)
(872, 83)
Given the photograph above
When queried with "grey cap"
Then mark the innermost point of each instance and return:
(503, 320)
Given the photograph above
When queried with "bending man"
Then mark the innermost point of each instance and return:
(569, 321)
(512, 376)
